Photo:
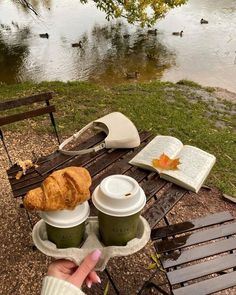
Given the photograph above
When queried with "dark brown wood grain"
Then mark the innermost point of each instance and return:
(195, 249)
(61, 160)
(203, 251)
(209, 286)
(178, 228)
(11, 104)
(26, 115)
(202, 269)
(196, 238)
(164, 204)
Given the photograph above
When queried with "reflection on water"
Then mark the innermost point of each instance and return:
(13, 52)
(114, 54)
(110, 50)
(206, 53)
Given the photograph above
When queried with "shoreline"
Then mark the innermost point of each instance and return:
(225, 94)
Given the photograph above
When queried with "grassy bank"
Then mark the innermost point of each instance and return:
(184, 110)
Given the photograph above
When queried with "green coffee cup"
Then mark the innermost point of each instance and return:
(117, 230)
(119, 200)
(66, 237)
(66, 228)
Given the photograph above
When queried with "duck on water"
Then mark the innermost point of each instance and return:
(132, 75)
(203, 21)
(46, 35)
(79, 44)
(178, 33)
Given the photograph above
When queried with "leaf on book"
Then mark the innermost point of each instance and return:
(165, 163)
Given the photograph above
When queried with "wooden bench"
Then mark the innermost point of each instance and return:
(20, 114)
(198, 255)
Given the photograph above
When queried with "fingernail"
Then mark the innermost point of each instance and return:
(89, 284)
(98, 279)
(96, 254)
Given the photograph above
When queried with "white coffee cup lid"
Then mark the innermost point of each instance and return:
(119, 195)
(67, 218)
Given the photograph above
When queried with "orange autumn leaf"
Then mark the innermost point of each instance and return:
(165, 163)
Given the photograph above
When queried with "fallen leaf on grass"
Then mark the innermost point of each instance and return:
(166, 163)
(152, 266)
(106, 289)
(157, 263)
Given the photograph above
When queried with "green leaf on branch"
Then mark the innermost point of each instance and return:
(146, 13)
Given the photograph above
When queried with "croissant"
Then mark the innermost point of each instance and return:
(63, 189)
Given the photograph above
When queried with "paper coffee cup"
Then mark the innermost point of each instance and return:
(66, 228)
(119, 200)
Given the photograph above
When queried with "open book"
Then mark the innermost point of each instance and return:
(195, 164)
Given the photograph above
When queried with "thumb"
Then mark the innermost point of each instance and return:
(85, 268)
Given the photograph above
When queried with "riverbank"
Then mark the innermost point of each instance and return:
(195, 115)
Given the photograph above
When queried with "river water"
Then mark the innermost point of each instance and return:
(205, 53)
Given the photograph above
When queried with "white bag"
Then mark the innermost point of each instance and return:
(121, 133)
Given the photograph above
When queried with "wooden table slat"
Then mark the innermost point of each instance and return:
(119, 167)
(114, 156)
(104, 158)
(35, 182)
(22, 192)
(199, 252)
(60, 159)
(138, 174)
(123, 167)
(202, 269)
(152, 186)
(163, 204)
(179, 228)
(197, 238)
(42, 160)
(209, 286)
(28, 182)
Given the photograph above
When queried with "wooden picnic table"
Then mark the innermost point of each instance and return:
(162, 194)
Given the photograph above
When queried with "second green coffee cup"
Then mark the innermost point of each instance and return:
(119, 200)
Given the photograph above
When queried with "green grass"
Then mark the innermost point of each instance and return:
(163, 108)
(189, 83)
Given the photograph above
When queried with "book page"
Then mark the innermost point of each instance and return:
(193, 170)
(169, 145)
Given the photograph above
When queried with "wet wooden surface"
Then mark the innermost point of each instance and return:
(100, 165)
(202, 260)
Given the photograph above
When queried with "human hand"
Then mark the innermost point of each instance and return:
(76, 275)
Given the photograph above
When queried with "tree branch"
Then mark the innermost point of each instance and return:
(28, 5)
